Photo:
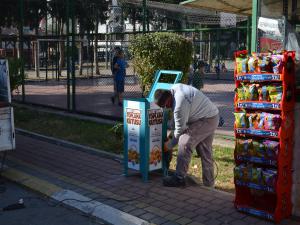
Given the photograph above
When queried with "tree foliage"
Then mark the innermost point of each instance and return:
(157, 51)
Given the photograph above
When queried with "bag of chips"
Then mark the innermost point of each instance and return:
(241, 65)
(269, 177)
(258, 149)
(240, 93)
(256, 175)
(253, 92)
(277, 63)
(261, 120)
(271, 148)
(241, 120)
(275, 93)
(272, 121)
(253, 119)
(242, 146)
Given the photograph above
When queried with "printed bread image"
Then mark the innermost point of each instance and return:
(155, 155)
(133, 155)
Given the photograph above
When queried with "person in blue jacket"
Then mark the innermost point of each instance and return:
(120, 73)
(113, 71)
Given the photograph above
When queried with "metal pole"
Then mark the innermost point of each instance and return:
(47, 45)
(294, 13)
(144, 15)
(68, 56)
(37, 58)
(106, 48)
(21, 58)
(255, 4)
(218, 56)
(73, 55)
(249, 34)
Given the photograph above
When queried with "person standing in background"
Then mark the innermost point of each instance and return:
(120, 73)
(113, 71)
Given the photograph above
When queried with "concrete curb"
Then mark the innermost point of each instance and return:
(73, 199)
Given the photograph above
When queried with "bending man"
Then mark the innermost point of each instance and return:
(196, 119)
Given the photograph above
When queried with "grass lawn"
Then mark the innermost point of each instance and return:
(224, 164)
(67, 128)
(100, 136)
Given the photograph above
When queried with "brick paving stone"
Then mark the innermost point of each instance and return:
(171, 223)
(168, 207)
(238, 215)
(289, 222)
(137, 212)
(179, 211)
(208, 198)
(251, 219)
(200, 218)
(203, 211)
(141, 205)
(172, 216)
(181, 204)
(190, 214)
(195, 223)
(183, 221)
(239, 222)
(214, 215)
(158, 220)
(191, 207)
(212, 222)
(264, 222)
(214, 207)
(203, 204)
(227, 210)
(147, 216)
(192, 201)
(226, 219)
(127, 208)
(158, 204)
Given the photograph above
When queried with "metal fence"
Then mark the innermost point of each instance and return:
(71, 70)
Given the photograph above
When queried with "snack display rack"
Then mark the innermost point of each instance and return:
(263, 157)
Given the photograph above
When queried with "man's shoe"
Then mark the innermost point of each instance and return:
(173, 181)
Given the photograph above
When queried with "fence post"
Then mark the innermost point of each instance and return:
(68, 55)
(21, 53)
(47, 45)
(254, 25)
(37, 58)
(249, 34)
(218, 54)
(72, 8)
(144, 15)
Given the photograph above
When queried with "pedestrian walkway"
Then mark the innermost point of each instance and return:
(97, 177)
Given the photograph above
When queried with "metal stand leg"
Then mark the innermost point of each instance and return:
(2, 162)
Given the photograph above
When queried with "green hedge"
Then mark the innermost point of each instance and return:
(160, 51)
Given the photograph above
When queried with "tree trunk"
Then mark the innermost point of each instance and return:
(61, 46)
(96, 48)
(80, 53)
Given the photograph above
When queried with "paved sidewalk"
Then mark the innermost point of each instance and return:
(94, 176)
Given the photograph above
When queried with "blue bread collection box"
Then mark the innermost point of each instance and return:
(145, 128)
